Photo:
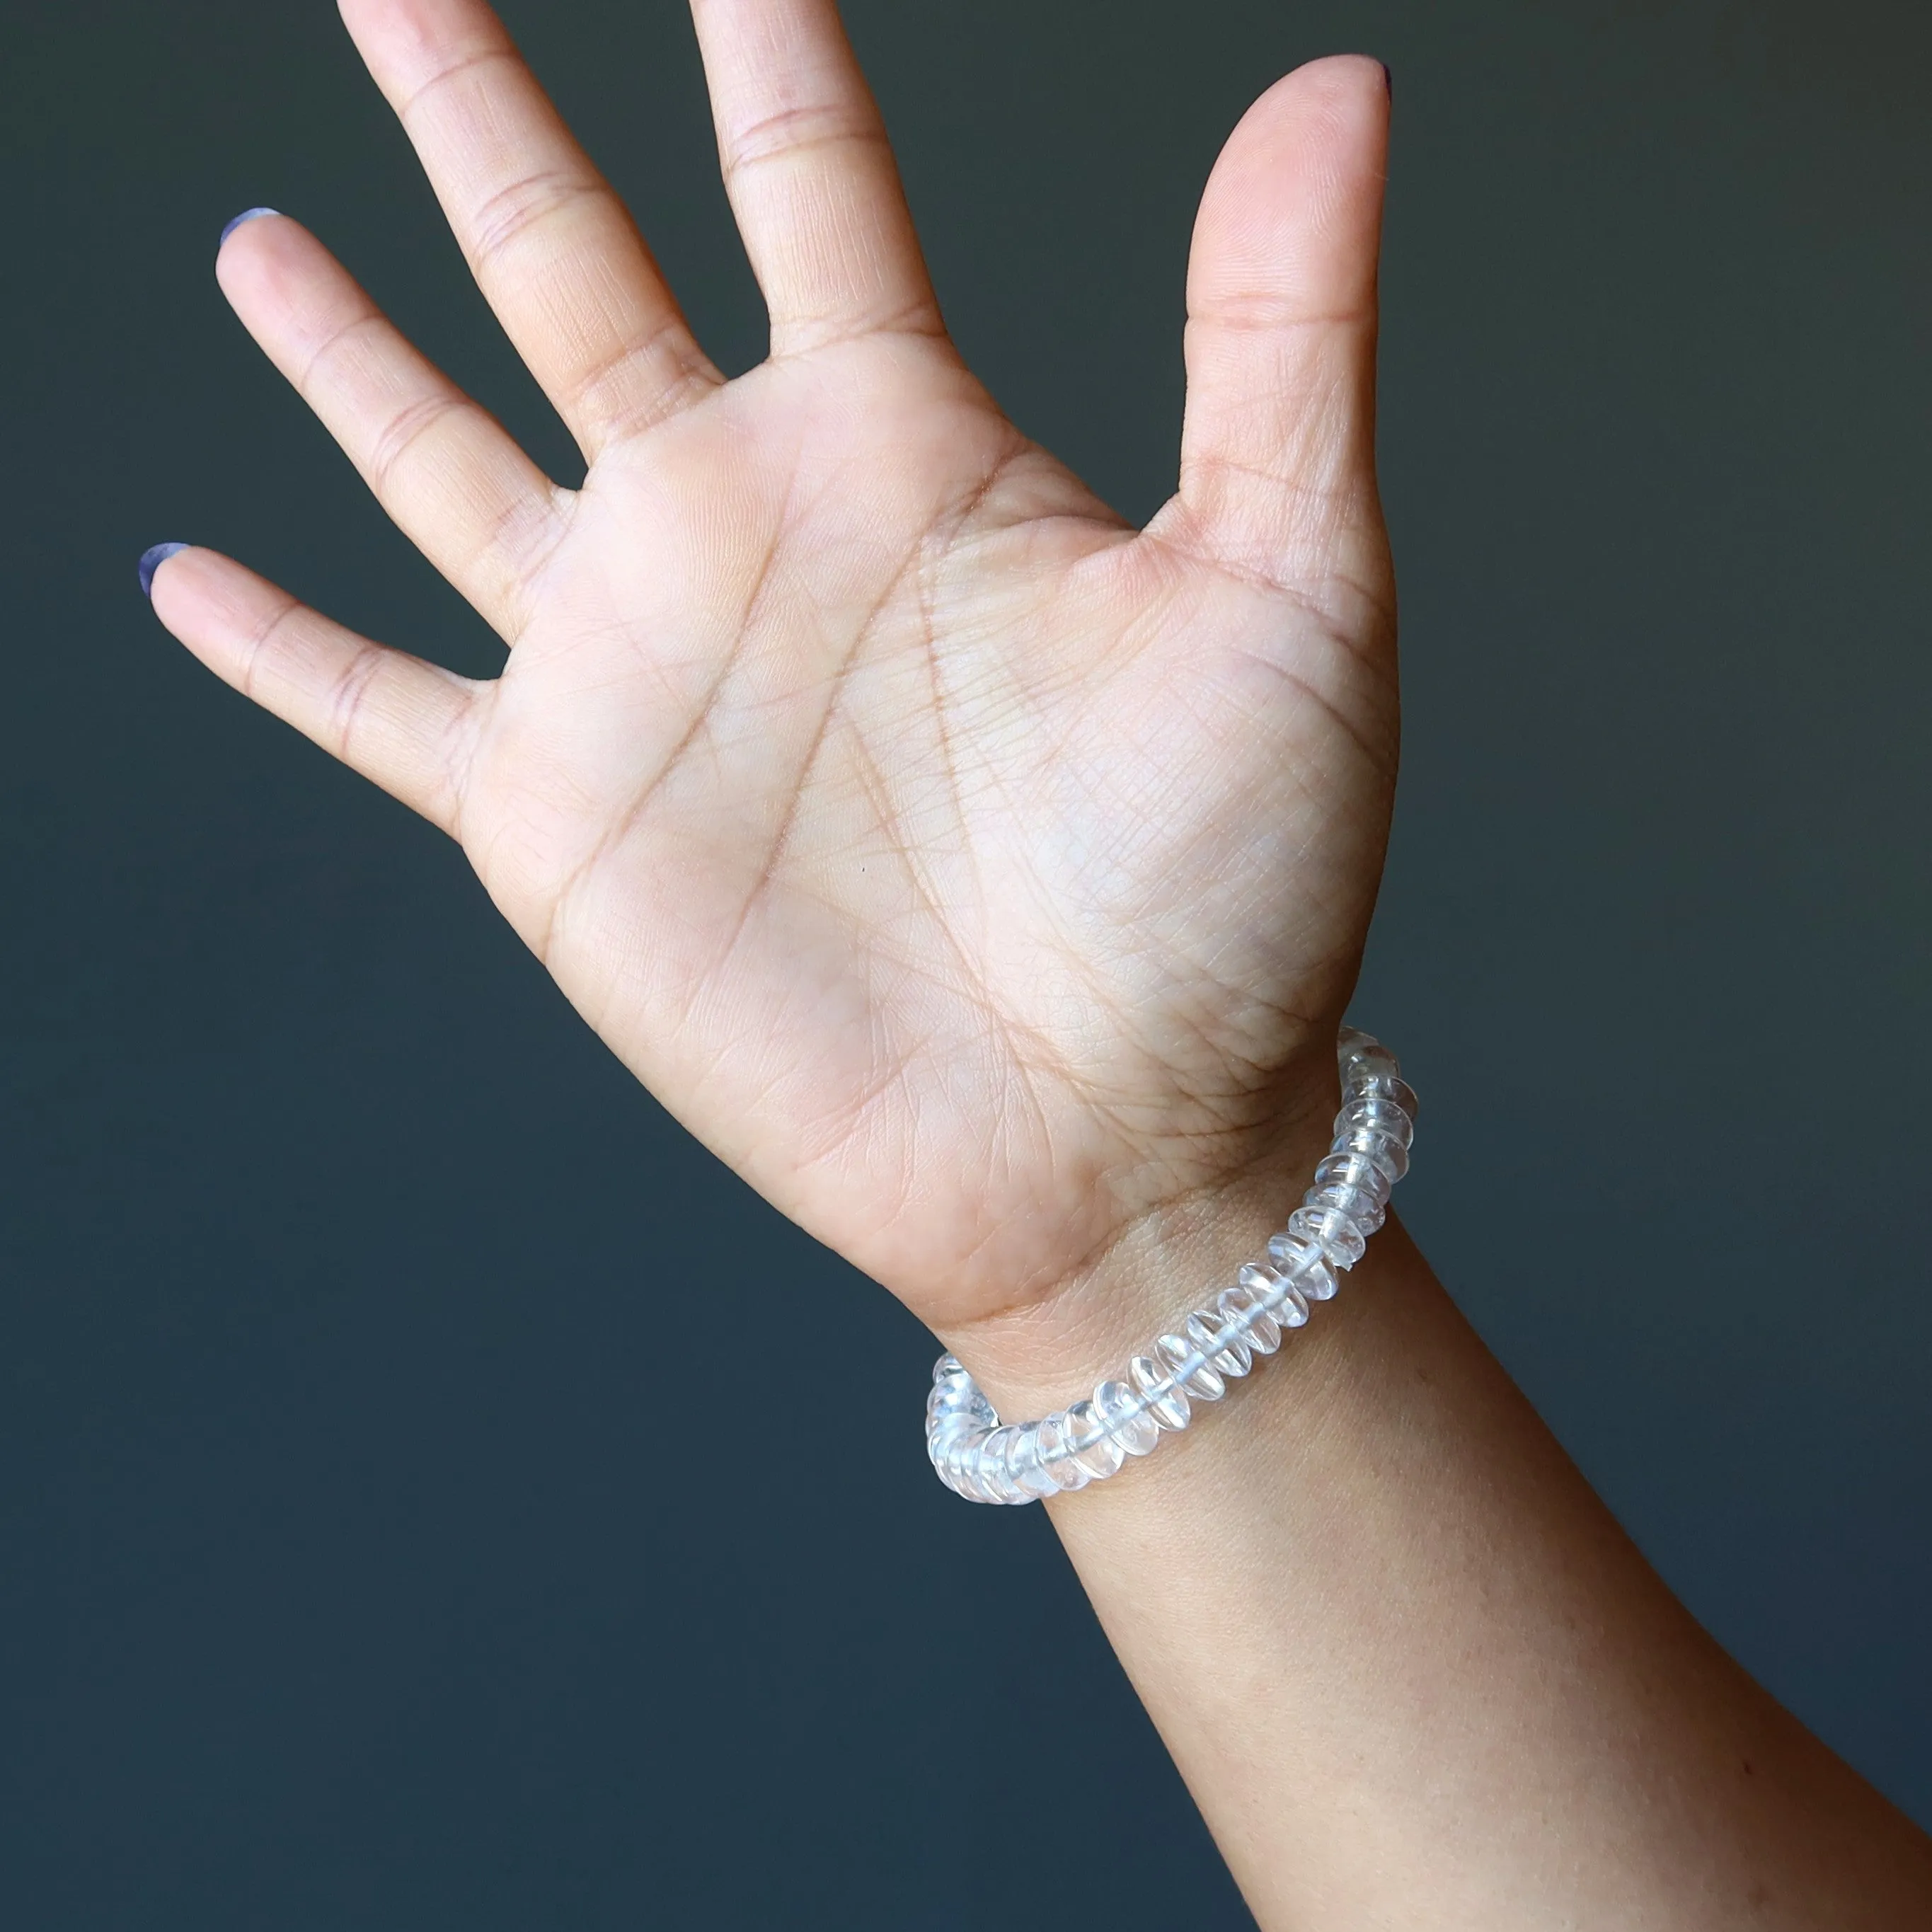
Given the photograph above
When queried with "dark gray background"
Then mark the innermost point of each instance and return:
(386, 1538)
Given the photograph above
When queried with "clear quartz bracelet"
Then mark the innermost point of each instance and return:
(987, 1461)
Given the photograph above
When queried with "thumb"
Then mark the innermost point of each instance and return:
(1277, 466)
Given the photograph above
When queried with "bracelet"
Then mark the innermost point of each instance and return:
(987, 1461)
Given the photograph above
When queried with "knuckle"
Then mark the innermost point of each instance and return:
(469, 66)
(348, 703)
(340, 341)
(262, 642)
(404, 433)
(797, 131)
(524, 206)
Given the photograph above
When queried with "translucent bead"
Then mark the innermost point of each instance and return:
(1337, 1237)
(973, 1468)
(1192, 1369)
(1389, 1088)
(1220, 1341)
(1368, 1063)
(992, 1466)
(1125, 1417)
(1364, 1058)
(945, 1430)
(1391, 1157)
(1246, 1305)
(1285, 1302)
(999, 1487)
(1378, 1117)
(1361, 1208)
(952, 1391)
(1305, 1264)
(945, 1406)
(1093, 1448)
(1023, 1463)
(1292, 1311)
(959, 1468)
(1166, 1400)
(1056, 1455)
(1357, 1168)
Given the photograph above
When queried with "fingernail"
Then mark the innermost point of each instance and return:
(1388, 81)
(247, 214)
(152, 561)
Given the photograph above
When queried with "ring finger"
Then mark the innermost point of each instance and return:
(454, 480)
(552, 248)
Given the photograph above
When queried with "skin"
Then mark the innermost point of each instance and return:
(985, 881)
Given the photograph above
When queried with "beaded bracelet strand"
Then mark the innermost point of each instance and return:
(987, 1461)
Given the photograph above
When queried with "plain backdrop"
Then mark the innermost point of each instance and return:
(435, 1493)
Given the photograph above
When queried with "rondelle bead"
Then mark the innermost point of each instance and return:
(1372, 1068)
(1220, 1340)
(1339, 1238)
(1305, 1264)
(993, 1473)
(1391, 1157)
(1192, 1369)
(1285, 1301)
(960, 1468)
(1378, 1116)
(952, 1424)
(1166, 1400)
(1359, 1168)
(1023, 1463)
(1355, 1050)
(1389, 1088)
(1361, 1208)
(1093, 1448)
(941, 1437)
(1125, 1417)
(1056, 1455)
(1244, 1304)
(954, 1394)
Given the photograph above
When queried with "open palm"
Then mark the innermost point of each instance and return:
(978, 876)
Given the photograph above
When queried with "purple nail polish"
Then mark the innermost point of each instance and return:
(247, 214)
(152, 560)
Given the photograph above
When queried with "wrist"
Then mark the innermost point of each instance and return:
(1169, 1258)
(1195, 1358)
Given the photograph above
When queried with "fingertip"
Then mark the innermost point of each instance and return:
(1296, 196)
(1335, 90)
(1355, 75)
(246, 215)
(152, 561)
(229, 263)
(186, 595)
(261, 272)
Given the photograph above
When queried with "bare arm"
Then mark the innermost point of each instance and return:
(985, 879)
(1412, 1672)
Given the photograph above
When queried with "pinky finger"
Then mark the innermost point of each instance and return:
(407, 725)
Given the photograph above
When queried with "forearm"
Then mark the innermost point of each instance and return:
(1412, 1672)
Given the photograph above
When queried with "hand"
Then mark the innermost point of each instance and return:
(982, 879)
